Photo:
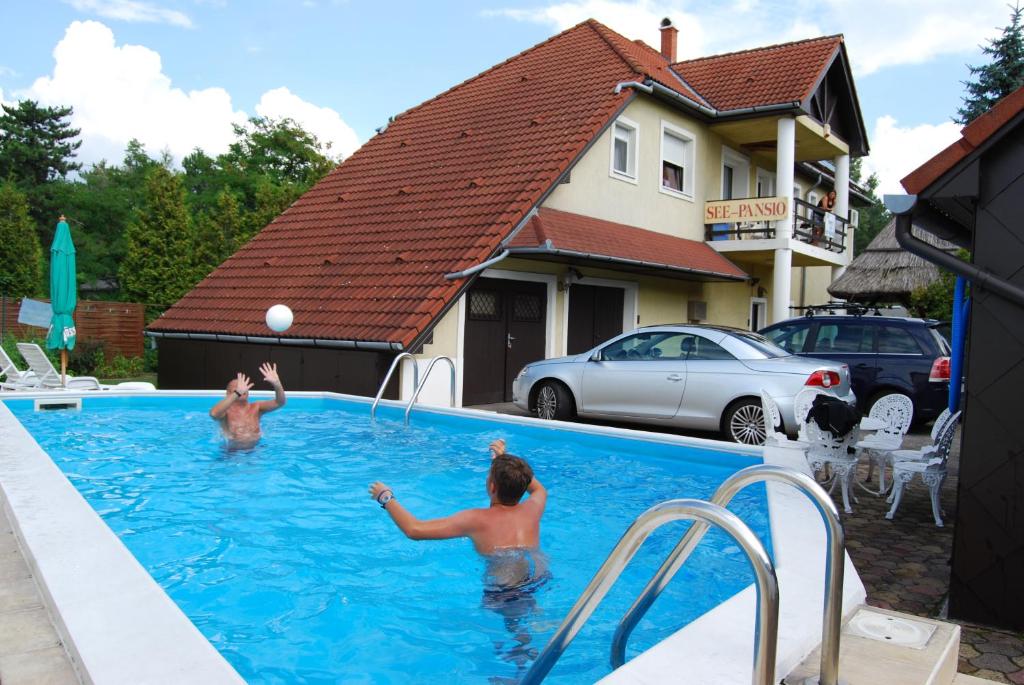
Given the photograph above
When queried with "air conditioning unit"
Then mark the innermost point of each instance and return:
(696, 310)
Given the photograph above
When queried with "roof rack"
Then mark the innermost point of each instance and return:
(850, 308)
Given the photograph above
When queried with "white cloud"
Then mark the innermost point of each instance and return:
(896, 151)
(323, 122)
(879, 33)
(121, 92)
(7, 71)
(132, 10)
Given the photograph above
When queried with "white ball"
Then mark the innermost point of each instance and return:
(279, 318)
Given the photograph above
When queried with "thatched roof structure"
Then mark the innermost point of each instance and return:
(885, 272)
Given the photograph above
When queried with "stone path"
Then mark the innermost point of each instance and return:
(31, 653)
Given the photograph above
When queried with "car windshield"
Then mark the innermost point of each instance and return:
(761, 344)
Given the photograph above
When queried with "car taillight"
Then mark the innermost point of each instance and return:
(940, 370)
(822, 378)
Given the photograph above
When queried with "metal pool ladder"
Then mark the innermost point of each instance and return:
(426, 375)
(704, 514)
(834, 564)
(387, 377)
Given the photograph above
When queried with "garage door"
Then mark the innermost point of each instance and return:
(595, 315)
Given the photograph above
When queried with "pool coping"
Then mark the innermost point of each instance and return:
(123, 627)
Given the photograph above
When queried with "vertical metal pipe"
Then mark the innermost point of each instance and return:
(387, 377)
(766, 618)
(426, 375)
(956, 364)
(834, 563)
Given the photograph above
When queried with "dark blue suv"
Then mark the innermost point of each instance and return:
(885, 354)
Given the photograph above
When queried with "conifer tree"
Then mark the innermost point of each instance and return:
(217, 233)
(1001, 76)
(158, 266)
(21, 256)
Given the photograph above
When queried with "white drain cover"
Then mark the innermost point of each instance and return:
(895, 630)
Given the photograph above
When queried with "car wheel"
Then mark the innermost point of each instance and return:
(554, 402)
(743, 422)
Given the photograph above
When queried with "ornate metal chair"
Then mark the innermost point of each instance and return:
(772, 419)
(929, 462)
(896, 411)
(826, 450)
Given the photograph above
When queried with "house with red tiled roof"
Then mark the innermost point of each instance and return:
(582, 188)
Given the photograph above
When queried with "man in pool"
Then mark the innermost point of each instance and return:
(507, 534)
(239, 419)
(507, 523)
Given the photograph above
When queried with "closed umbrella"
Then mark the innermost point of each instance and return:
(63, 296)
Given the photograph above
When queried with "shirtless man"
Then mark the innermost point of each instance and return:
(240, 419)
(506, 524)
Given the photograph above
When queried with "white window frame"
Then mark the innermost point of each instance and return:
(689, 169)
(812, 199)
(854, 218)
(633, 155)
(769, 175)
(740, 164)
(763, 301)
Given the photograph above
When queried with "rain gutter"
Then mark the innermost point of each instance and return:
(909, 211)
(652, 87)
(548, 249)
(263, 340)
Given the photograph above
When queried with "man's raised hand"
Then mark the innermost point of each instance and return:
(497, 448)
(269, 372)
(242, 383)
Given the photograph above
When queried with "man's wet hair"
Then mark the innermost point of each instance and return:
(510, 476)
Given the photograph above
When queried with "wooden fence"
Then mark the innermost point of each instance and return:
(118, 325)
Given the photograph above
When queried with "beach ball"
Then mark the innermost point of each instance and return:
(279, 318)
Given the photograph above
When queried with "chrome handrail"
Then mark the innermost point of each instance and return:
(834, 563)
(766, 618)
(387, 377)
(426, 375)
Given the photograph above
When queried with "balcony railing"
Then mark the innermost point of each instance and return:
(810, 225)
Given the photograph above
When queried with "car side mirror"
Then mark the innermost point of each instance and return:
(596, 357)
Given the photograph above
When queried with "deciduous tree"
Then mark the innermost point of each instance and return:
(21, 257)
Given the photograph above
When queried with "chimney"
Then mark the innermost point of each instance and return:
(668, 40)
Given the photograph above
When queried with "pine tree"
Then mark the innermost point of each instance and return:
(37, 144)
(217, 234)
(21, 256)
(1001, 76)
(158, 266)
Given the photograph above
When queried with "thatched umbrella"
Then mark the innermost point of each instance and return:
(885, 272)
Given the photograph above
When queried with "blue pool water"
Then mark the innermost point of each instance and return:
(281, 559)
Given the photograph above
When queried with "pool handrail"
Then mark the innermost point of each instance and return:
(834, 563)
(387, 377)
(766, 617)
(426, 375)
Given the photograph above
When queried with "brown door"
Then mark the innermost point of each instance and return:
(505, 326)
(595, 315)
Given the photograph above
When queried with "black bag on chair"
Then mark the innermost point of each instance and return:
(833, 415)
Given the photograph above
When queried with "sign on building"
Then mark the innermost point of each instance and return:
(749, 209)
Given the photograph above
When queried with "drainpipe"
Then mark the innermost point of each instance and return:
(903, 207)
(961, 309)
(476, 269)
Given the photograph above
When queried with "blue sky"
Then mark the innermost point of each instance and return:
(342, 67)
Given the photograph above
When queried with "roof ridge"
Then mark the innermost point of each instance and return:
(603, 31)
(762, 48)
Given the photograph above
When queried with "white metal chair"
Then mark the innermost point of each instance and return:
(14, 378)
(896, 411)
(928, 462)
(772, 419)
(825, 450)
(49, 377)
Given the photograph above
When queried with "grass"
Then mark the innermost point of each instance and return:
(145, 377)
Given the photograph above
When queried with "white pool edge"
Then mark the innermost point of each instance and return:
(122, 627)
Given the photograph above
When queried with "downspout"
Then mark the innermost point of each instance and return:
(477, 268)
(903, 207)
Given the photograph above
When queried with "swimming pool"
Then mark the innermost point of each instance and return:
(294, 574)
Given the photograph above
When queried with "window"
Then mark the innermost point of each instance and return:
(765, 183)
(854, 218)
(648, 346)
(790, 337)
(702, 349)
(484, 305)
(676, 161)
(812, 199)
(735, 174)
(844, 339)
(625, 136)
(893, 340)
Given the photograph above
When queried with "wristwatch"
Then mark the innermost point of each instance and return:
(385, 497)
(237, 394)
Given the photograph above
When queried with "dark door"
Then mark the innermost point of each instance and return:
(595, 315)
(505, 326)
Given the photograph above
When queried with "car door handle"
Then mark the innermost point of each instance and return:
(674, 377)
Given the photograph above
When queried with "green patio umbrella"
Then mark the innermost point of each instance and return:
(63, 295)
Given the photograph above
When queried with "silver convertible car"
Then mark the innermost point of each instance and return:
(700, 377)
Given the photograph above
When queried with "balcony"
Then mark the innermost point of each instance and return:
(817, 238)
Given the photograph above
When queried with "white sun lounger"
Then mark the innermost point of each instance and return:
(48, 376)
(13, 377)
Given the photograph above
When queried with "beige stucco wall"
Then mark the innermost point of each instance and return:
(811, 288)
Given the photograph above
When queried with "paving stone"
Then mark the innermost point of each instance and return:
(18, 594)
(968, 651)
(40, 667)
(1001, 647)
(1016, 678)
(994, 676)
(994, 662)
(29, 630)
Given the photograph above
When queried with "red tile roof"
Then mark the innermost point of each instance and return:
(763, 76)
(972, 136)
(564, 232)
(362, 255)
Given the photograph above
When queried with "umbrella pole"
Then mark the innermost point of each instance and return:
(64, 368)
